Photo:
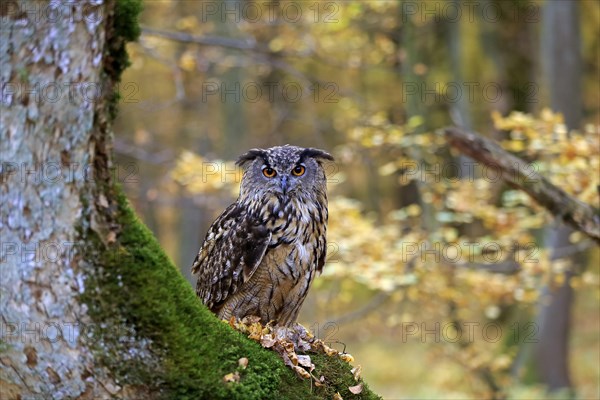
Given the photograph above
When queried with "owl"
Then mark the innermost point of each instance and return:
(262, 253)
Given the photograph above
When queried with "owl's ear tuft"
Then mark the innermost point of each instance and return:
(317, 154)
(250, 156)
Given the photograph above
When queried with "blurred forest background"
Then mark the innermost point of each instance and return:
(441, 280)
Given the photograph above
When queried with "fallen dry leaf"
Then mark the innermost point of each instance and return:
(267, 341)
(250, 319)
(232, 377)
(337, 396)
(356, 389)
(347, 357)
(233, 323)
(326, 349)
(256, 331)
(305, 361)
(356, 372)
(288, 346)
(301, 372)
(293, 357)
(286, 359)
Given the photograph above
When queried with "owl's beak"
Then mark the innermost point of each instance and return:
(284, 184)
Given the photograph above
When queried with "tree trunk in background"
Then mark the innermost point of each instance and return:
(191, 218)
(561, 59)
(231, 89)
(416, 107)
(561, 62)
(459, 110)
(512, 50)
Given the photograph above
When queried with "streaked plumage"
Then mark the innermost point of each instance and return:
(261, 255)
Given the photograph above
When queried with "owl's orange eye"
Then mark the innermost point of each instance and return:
(269, 172)
(299, 170)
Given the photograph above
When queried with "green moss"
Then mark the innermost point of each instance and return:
(23, 74)
(126, 22)
(3, 346)
(338, 378)
(138, 287)
(123, 27)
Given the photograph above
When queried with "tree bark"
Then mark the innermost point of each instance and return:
(52, 136)
(91, 307)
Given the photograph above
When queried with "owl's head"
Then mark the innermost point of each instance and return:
(283, 171)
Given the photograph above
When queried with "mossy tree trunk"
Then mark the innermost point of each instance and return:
(90, 305)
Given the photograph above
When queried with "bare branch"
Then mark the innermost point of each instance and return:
(374, 304)
(221, 41)
(251, 47)
(515, 171)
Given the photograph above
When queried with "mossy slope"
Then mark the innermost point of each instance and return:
(138, 286)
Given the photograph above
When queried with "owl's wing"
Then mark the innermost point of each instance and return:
(232, 250)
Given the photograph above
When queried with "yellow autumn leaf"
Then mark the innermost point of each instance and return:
(232, 377)
(302, 373)
(347, 357)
